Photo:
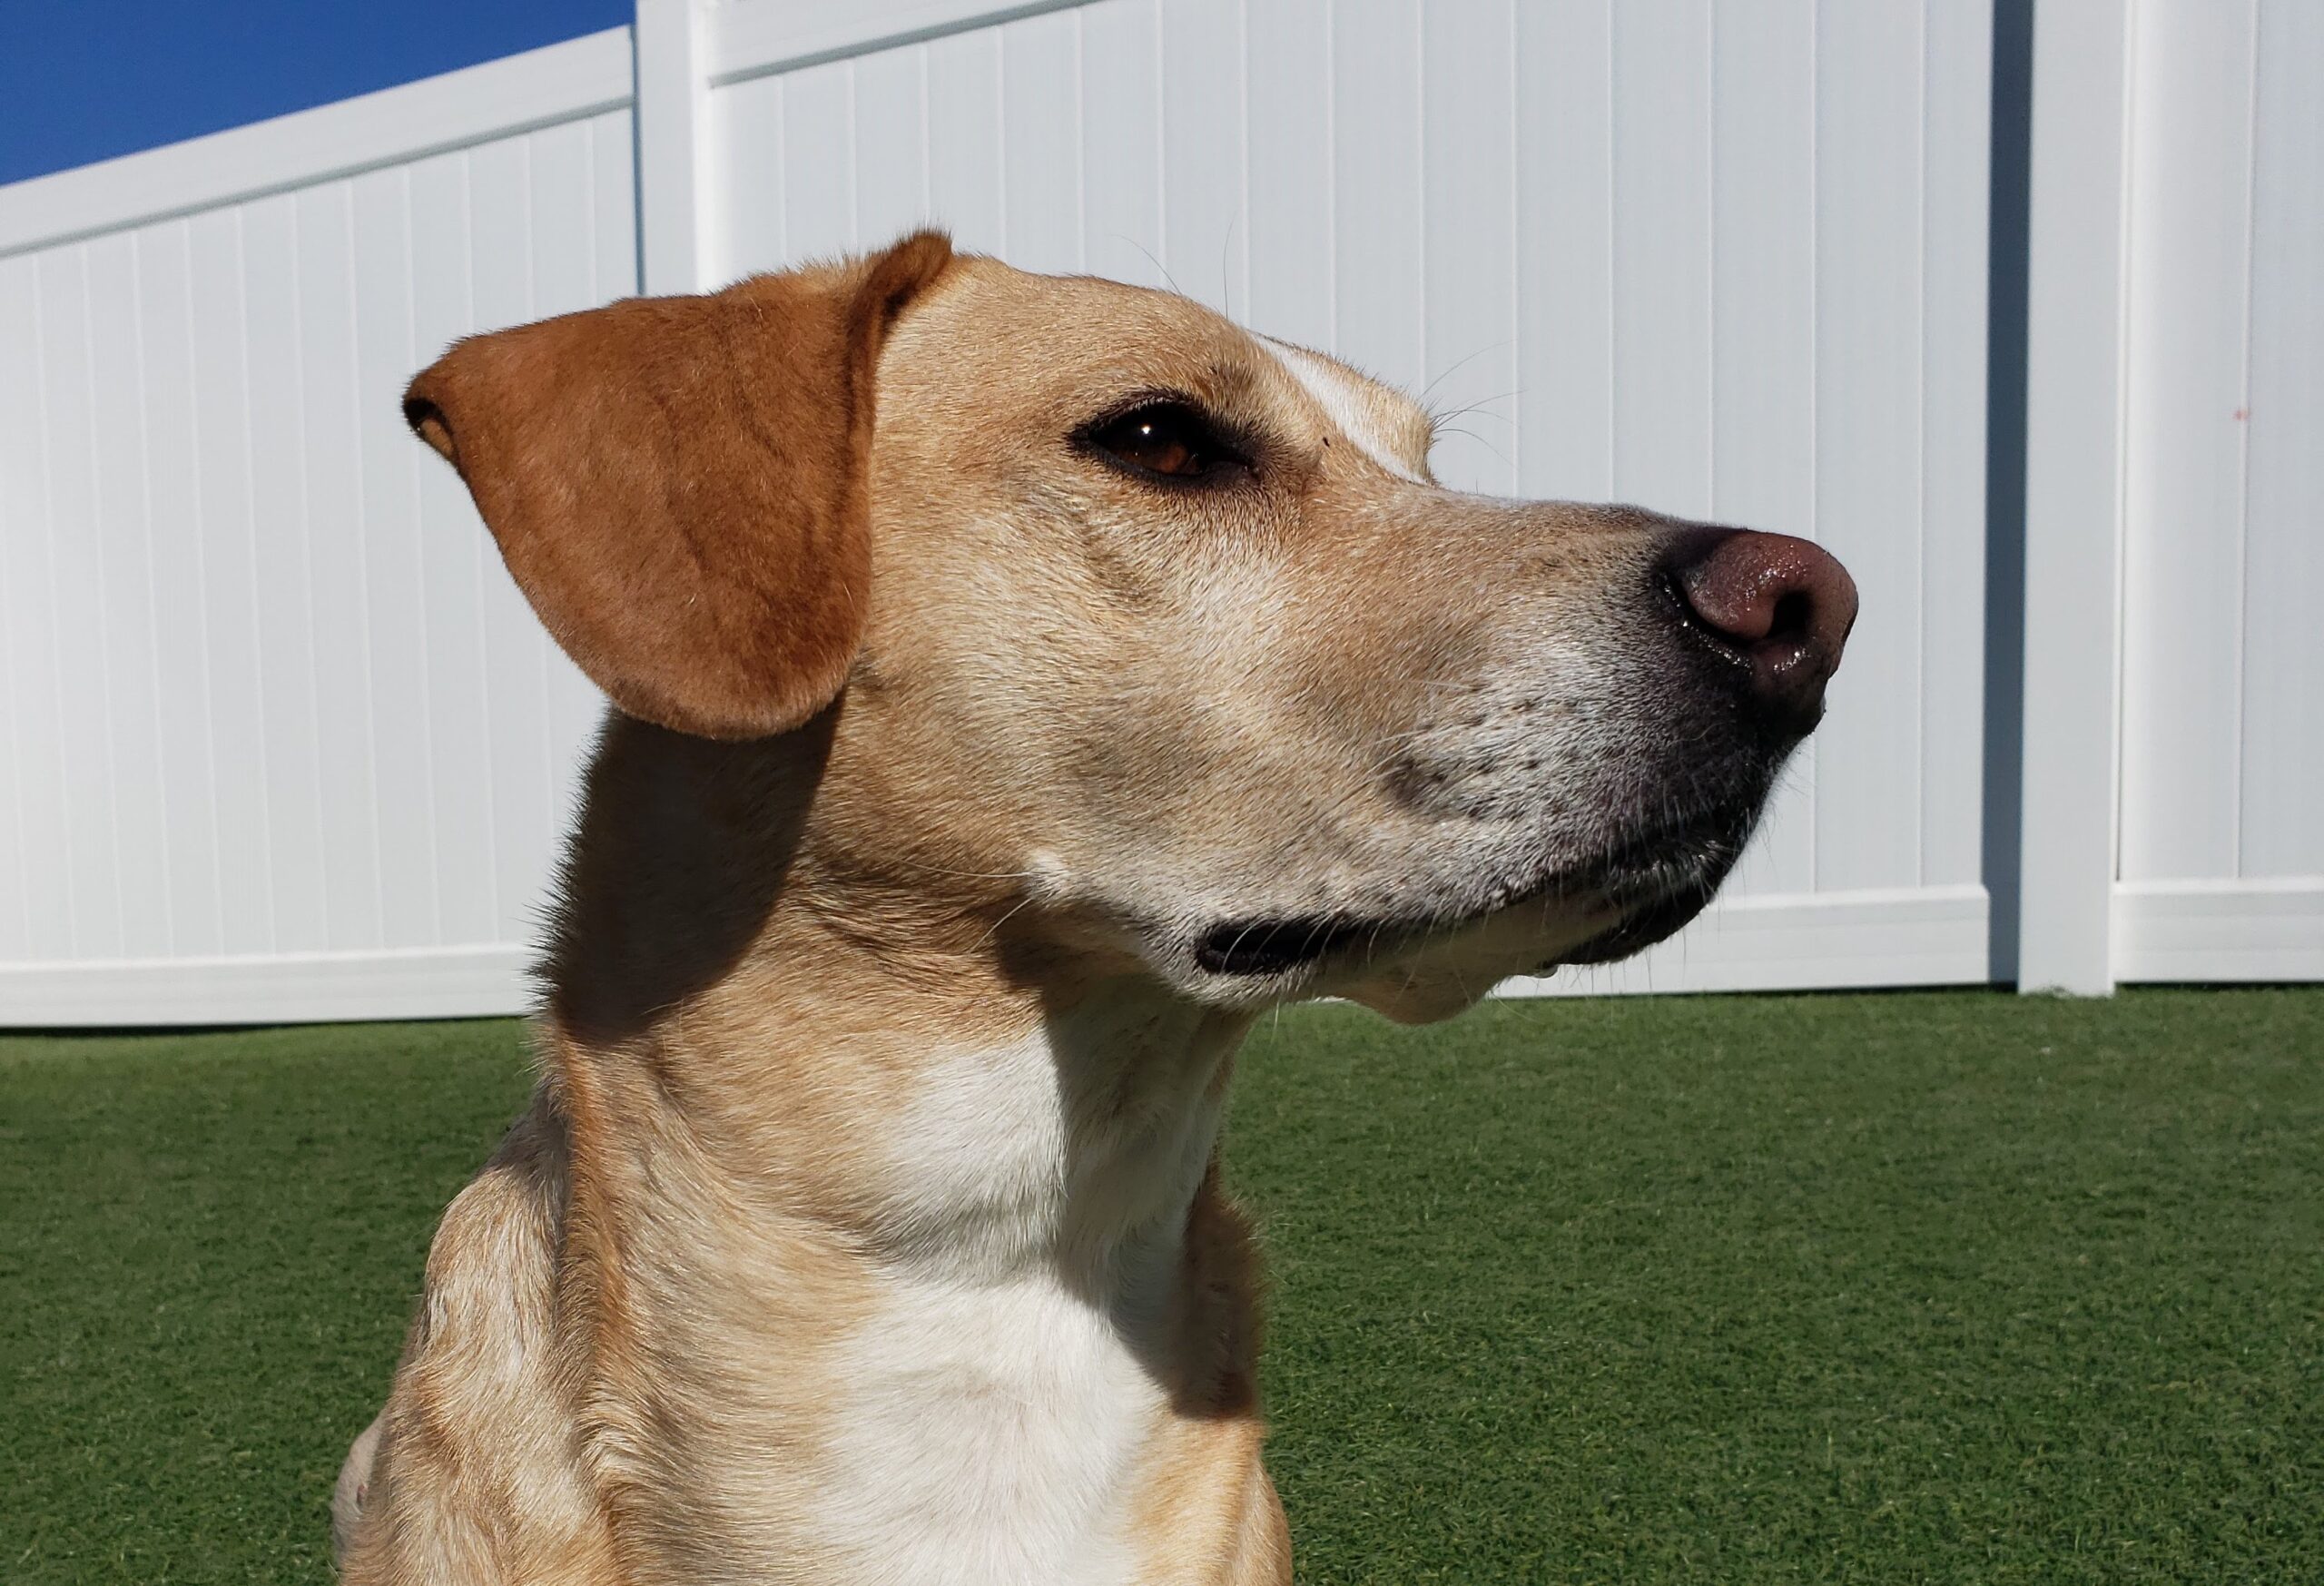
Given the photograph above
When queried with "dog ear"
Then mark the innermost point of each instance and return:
(679, 487)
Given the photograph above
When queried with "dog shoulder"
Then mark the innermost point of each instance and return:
(477, 1475)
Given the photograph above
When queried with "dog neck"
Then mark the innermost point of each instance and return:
(852, 1058)
(940, 1208)
(1074, 1144)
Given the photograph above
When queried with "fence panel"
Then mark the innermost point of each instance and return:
(284, 740)
(2221, 870)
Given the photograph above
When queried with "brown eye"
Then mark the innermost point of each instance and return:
(1169, 438)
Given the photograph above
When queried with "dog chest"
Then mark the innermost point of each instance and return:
(991, 1436)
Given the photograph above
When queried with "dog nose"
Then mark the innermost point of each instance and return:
(1780, 606)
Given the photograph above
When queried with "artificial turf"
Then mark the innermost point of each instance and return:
(1904, 1287)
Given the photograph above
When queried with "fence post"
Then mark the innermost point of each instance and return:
(2074, 405)
(672, 150)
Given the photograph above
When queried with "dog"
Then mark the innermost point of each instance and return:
(1020, 684)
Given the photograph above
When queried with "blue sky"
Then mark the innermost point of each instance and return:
(83, 80)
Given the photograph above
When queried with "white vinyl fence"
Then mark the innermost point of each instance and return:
(282, 741)
(2173, 688)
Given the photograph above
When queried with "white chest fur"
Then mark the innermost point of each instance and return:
(997, 1402)
(990, 1437)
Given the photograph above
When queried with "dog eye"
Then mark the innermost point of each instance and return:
(1169, 438)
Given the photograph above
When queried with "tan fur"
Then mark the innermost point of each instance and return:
(898, 1010)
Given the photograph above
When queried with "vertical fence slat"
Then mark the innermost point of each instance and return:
(1763, 336)
(2182, 548)
(1469, 253)
(332, 524)
(673, 128)
(122, 532)
(1662, 255)
(1121, 141)
(219, 414)
(1041, 141)
(819, 162)
(178, 539)
(283, 596)
(1205, 239)
(1956, 176)
(2074, 418)
(1376, 190)
(746, 220)
(1289, 61)
(1869, 406)
(2283, 709)
(1564, 155)
(964, 139)
(890, 145)
(396, 618)
(36, 920)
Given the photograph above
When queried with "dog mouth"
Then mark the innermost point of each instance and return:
(1656, 881)
(1635, 932)
(1273, 946)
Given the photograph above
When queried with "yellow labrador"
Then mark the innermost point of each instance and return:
(1022, 683)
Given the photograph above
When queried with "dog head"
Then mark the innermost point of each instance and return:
(1148, 637)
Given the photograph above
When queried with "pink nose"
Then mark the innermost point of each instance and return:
(1780, 607)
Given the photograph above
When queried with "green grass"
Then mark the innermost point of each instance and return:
(1911, 1287)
